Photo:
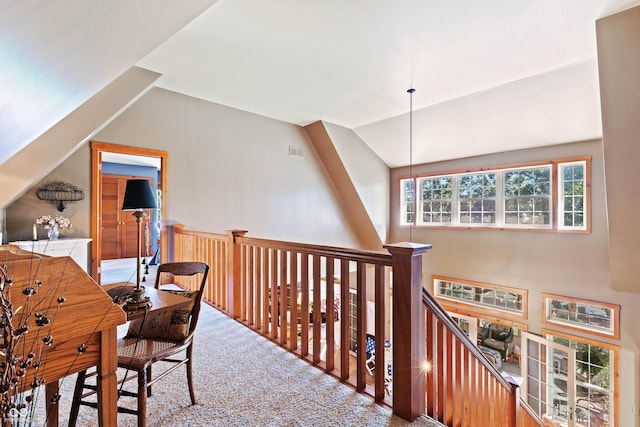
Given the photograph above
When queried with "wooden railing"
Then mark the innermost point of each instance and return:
(274, 288)
(461, 388)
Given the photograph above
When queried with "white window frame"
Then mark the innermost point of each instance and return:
(549, 198)
(555, 198)
(404, 202)
(613, 368)
(496, 198)
(420, 201)
(482, 307)
(550, 317)
(561, 196)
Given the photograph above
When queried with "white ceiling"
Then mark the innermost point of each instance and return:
(490, 76)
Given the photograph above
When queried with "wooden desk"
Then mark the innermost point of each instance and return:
(81, 316)
(159, 300)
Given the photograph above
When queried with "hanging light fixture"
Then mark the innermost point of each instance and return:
(413, 183)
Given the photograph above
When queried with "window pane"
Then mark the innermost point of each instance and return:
(483, 296)
(590, 317)
(572, 198)
(436, 195)
(594, 382)
(407, 201)
(520, 207)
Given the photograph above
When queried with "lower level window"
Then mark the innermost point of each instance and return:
(595, 379)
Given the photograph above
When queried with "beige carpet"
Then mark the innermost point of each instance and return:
(245, 380)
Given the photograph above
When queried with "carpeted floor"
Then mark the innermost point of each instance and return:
(242, 379)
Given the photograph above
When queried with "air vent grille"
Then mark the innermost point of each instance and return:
(296, 151)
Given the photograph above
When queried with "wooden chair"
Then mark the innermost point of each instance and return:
(152, 340)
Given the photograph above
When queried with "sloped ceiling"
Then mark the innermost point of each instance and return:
(490, 76)
(56, 55)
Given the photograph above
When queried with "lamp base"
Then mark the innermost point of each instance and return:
(137, 301)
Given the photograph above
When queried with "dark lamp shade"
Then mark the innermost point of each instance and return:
(138, 195)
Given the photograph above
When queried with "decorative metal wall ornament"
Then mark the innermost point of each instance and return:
(59, 193)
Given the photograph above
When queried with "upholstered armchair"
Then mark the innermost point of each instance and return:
(497, 337)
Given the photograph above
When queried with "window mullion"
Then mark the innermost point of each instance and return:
(500, 198)
(455, 202)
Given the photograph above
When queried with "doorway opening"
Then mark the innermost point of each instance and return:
(103, 155)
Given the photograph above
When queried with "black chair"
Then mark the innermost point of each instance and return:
(152, 340)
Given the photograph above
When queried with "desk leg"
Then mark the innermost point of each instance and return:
(50, 390)
(107, 380)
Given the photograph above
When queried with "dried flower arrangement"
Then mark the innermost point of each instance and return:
(51, 317)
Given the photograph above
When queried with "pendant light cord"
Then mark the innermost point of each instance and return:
(413, 186)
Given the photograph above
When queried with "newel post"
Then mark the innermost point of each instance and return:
(234, 302)
(409, 381)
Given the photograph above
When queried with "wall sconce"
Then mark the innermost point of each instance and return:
(59, 193)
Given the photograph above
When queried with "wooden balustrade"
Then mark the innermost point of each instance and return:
(211, 249)
(316, 302)
(463, 389)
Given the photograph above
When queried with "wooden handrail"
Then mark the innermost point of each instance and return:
(268, 285)
(434, 307)
(371, 257)
(463, 388)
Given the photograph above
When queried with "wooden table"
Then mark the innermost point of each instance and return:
(82, 325)
(159, 300)
(82, 316)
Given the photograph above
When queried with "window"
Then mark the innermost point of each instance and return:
(597, 318)
(436, 199)
(571, 187)
(525, 197)
(481, 295)
(408, 201)
(477, 198)
(595, 381)
(353, 320)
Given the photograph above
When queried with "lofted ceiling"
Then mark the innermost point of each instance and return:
(489, 76)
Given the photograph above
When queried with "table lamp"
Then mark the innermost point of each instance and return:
(138, 196)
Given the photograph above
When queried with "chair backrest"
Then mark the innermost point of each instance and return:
(500, 332)
(186, 269)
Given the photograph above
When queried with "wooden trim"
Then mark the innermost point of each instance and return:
(97, 148)
(616, 365)
(479, 308)
(615, 316)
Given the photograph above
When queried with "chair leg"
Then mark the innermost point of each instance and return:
(77, 395)
(149, 377)
(142, 398)
(190, 375)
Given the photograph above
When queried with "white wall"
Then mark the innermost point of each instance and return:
(370, 175)
(21, 215)
(570, 264)
(230, 169)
